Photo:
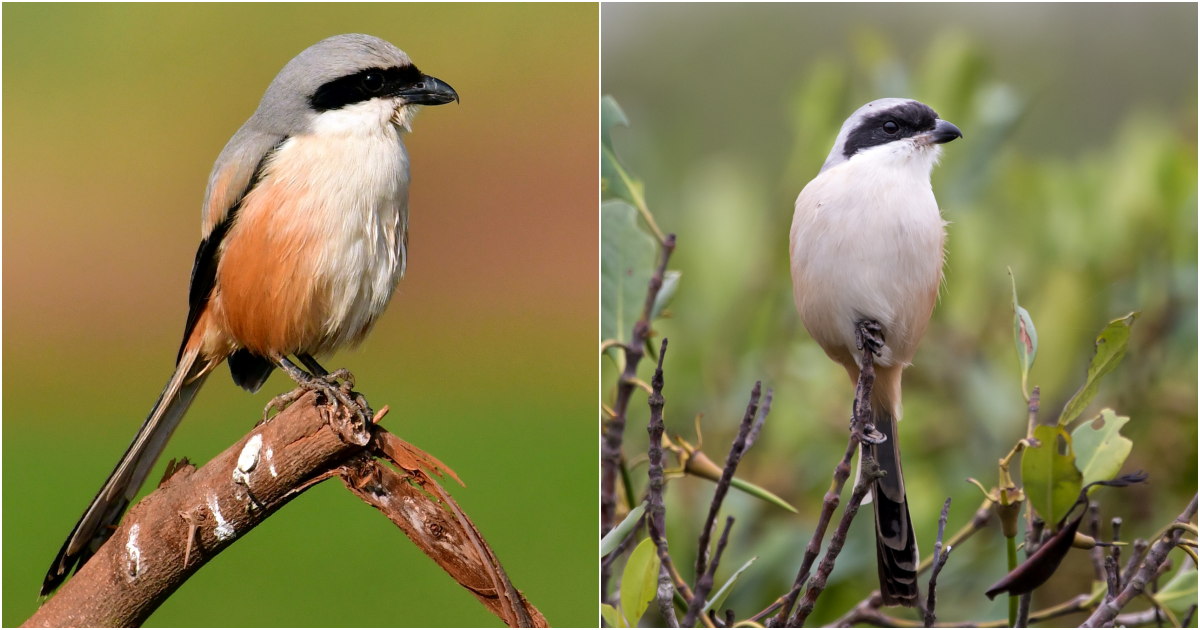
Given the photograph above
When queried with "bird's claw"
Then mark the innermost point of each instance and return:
(337, 388)
(869, 334)
(871, 435)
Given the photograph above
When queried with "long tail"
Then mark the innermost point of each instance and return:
(102, 516)
(895, 543)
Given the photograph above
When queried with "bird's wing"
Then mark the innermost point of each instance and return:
(235, 174)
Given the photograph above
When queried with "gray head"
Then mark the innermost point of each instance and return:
(340, 72)
(889, 120)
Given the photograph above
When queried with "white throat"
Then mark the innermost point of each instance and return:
(371, 117)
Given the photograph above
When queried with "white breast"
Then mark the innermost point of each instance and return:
(866, 243)
(352, 175)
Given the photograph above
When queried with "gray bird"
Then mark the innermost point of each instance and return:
(305, 232)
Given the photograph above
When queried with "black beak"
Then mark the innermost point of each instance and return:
(944, 132)
(428, 91)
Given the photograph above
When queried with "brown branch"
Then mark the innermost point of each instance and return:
(736, 450)
(1116, 549)
(867, 612)
(615, 434)
(870, 472)
(657, 516)
(939, 561)
(704, 584)
(860, 428)
(1097, 552)
(1147, 572)
(866, 609)
(197, 513)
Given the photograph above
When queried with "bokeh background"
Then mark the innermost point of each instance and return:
(1078, 170)
(113, 116)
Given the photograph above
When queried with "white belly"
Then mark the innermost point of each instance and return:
(866, 244)
(353, 198)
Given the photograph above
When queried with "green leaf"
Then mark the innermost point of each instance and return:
(610, 116)
(1100, 452)
(1180, 593)
(614, 618)
(618, 533)
(627, 256)
(639, 582)
(1025, 336)
(1051, 481)
(762, 493)
(665, 293)
(1110, 349)
(615, 181)
(714, 603)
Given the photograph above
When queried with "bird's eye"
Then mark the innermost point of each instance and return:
(373, 82)
(891, 127)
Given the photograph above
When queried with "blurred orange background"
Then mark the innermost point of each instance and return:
(113, 116)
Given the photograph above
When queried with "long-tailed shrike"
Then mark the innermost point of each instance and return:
(866, 250)
(305, 232)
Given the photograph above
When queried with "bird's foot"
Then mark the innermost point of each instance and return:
(866, 431)
(869, 334)
(337, 388)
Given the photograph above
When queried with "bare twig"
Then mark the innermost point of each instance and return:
(1135, 559)
(870, 472)
(867, 612)
(196, 514)
(939, 560)
(615, 434)
(1112, 577)
(657, 513)
(1187, 619)
(1096, 553)
(705, 583)
(1116, 549)
(860, 430)
(841, 473)
(1148, 571)
(736, 450)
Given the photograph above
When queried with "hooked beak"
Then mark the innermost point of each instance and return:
(428, 91)
(944, 132)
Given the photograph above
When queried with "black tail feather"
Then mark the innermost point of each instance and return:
(895, 542)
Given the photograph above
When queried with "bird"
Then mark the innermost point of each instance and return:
(867, 248)
(304, 239)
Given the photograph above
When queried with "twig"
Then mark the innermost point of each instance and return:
(731, 463)
(861, 430)
(1135, 559)
(868, 612)
(705, 583)
(1096, 553)
(657, 514)
(615, 435)
(870, 472)
(939, 560)
(1187, 619)
(841, 473)
(1116, 549)
(1148, 571)
(198, 513)
(1112, 577)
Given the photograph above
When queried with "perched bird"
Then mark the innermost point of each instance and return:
(866, 254)
(305, 233)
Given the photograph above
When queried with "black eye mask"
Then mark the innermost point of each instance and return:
(909, 118)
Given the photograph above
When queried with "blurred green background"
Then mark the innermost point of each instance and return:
(113, 116)
(1078, 169)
